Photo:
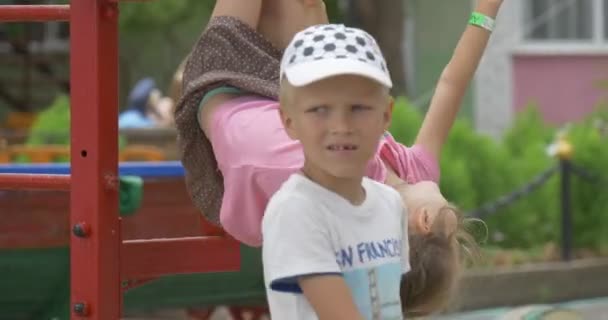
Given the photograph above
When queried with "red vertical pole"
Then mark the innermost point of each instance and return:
(95, 240)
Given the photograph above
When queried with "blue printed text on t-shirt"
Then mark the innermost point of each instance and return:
(365, 252)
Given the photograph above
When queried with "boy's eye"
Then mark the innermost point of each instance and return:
(360, 107)
(317, 109)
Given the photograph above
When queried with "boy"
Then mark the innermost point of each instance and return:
(334, 241)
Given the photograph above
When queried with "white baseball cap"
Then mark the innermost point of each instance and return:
(327, 50)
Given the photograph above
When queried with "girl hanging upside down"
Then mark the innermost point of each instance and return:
(236, 152)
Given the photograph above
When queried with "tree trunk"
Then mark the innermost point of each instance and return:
(385, 20)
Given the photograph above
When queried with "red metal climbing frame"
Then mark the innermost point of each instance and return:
(100, 259)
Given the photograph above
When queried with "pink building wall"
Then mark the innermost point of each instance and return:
(564, 87)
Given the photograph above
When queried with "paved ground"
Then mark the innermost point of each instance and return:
(593, 309)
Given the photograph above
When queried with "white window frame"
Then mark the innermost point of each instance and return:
(597, 45)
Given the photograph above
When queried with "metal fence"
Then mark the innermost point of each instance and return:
(566, 169)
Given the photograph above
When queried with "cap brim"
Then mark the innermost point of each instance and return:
(309, 72)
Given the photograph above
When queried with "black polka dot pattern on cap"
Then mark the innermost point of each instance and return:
(334, 42)
(329, 47)
(308, 51)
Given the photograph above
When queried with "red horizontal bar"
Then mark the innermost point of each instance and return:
(142, 259)
(22, 181)
(34, 13)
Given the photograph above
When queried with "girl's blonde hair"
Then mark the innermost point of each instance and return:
(437, 260)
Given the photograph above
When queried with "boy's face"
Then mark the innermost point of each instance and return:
(339, 121)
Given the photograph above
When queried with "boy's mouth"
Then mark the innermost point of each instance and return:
(342, 147)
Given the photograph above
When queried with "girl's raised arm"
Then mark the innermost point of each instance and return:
(455, 78)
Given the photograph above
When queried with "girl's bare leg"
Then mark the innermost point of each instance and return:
(248, 11)
(280, 20)
(277, 20)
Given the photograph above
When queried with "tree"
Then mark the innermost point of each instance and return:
(385, 20)
(161, 15)
(166, 29)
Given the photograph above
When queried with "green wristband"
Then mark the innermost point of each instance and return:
(481, 20)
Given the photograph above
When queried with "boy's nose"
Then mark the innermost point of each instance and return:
(341, 124)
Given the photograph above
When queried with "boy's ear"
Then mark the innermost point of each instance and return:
(287, 123)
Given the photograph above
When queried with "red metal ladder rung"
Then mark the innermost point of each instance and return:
(141, 259)
(23, 181)
(34, 13)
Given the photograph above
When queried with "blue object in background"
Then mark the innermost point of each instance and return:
(166, 169)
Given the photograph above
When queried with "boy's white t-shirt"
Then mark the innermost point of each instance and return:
(308, 229)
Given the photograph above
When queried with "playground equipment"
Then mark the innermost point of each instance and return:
(100, 257)
(52, 153)
(37, 235)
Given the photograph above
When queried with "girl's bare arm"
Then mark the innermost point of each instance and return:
(453, 82)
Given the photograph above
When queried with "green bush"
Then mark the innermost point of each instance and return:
(476, 170)
(52, 126)
(590, 201)
(406, 121)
